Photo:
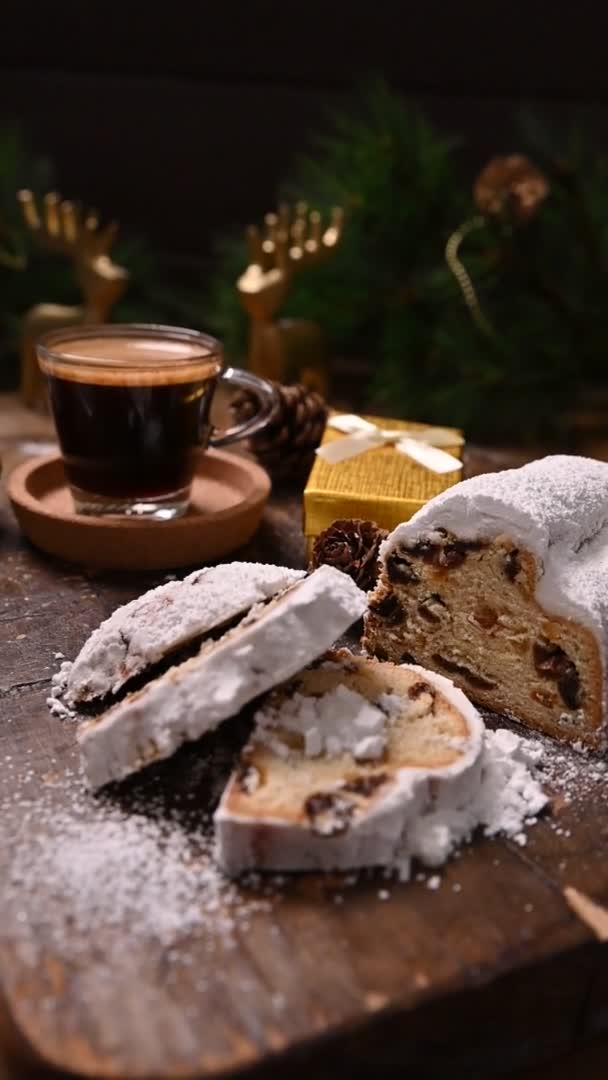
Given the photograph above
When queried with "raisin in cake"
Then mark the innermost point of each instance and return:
(143, 632)
(268, 646)
(341, 765)
(502, 584)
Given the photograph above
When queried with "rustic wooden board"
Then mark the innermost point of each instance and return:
(493, 975)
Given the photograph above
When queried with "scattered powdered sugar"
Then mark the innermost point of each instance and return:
(93, 866)
(572, 772)
(510, 795)
(520, 777)
(505, 798)
(154, 882)
(338, 721)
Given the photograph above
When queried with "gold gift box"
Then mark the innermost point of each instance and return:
(381, 485)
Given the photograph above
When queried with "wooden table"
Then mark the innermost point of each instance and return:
(475, 982)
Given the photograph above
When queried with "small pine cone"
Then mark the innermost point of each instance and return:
(286, 446)
(351, 545)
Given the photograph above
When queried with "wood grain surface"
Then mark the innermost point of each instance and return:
(490, 972)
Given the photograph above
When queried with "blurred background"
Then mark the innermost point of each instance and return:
(466, 145)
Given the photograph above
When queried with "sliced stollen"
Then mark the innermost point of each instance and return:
(140, 634)
(341, 765)
(267, 647)
(502, 584)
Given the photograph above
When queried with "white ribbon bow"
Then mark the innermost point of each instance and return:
(421, 446)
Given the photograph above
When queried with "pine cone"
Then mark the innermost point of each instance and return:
(351, 545)
(510, 187)
(286, 446)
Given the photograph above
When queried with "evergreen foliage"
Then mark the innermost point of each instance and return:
(388, 295)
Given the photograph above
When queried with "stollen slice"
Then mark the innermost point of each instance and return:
(342, 763)
(140, 634)
(271, 644)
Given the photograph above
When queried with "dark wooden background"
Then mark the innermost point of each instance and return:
(182, 119)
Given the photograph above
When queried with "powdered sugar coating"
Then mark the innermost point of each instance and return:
(556, 508)
(142, 632)
(269, 646)
(334, 722)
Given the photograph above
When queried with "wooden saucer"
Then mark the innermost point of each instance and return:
(228, 497)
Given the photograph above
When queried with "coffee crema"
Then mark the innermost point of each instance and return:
(130, 361)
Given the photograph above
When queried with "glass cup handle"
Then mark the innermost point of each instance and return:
(267, 400)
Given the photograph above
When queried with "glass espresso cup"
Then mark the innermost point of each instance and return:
(131, 405)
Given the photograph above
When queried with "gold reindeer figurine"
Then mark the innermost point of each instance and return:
(61, 228)
(282, 349)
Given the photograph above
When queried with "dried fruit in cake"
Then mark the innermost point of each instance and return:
(343, 763)
(501, 583)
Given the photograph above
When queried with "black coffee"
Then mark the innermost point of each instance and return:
(130, 432)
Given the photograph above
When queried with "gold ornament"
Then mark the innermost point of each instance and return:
(511, 188)
(286, 349)
(460, 272)
(61, 228)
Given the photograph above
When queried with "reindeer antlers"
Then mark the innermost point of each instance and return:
(289, 242)
(63, 228)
